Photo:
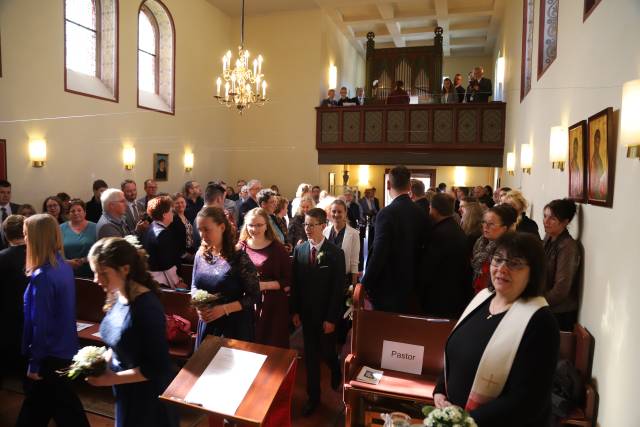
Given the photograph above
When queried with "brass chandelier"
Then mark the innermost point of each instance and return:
(243, 86)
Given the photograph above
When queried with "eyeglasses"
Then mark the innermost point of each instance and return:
(307, 225)
(491, 224)
(256, 225)
(512, 264)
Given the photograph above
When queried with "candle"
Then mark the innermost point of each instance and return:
(226, 91)
(255, 67)
(264, 89)
(259, 64)
(233, 83)
(218, 83)
(224, 63)
(257, 83)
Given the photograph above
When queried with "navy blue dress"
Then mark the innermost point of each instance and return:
(236, 280)
(135, 333)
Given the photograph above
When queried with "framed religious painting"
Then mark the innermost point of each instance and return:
(578, 162)
(601, 159)
(160, 167)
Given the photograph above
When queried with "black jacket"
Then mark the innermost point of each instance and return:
(246, 207)
(484, 92)
(392, 268)
(93, 210)
(13, 283)
(318, 290)
(527, 225)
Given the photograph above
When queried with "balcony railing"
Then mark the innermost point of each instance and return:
(444, 134)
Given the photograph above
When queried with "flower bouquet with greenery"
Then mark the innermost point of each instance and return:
(201, 299)
(451, 416)
(90, 361)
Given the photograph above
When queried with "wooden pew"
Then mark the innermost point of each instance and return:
(578, 347)
(370, 329)
(185, 271)
(89, 302)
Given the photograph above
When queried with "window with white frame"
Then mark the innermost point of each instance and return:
(90, 32)
(156, 53)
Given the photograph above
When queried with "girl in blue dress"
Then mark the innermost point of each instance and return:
(134, 329)
(219, 268)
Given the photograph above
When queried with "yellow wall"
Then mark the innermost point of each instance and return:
(594, 59)
(84, 135)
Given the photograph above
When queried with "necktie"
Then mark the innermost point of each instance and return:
(313, 255)
(4, 213)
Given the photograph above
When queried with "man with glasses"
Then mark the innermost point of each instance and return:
(112, 222)
(254, 186)
(447, 282)
(317, 302)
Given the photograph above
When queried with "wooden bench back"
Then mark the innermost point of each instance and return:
(90, 299)
(372, 328)
(577, 347)
(179, 303)
(185, 271)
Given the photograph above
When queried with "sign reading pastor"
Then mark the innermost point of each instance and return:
(402, 357)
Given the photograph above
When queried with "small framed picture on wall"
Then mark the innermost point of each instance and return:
(160, 167)
(601, 158)
(578, 162)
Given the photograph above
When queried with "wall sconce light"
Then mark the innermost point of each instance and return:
(38, 152)
(333, 76)
(129, 157)
(460, 176)
(511, 163)
(363, 175)
(188, 161)
(526, 158)
(630, 118)
(558, 146)
(500, 66)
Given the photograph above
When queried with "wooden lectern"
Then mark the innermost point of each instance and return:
(269, 394)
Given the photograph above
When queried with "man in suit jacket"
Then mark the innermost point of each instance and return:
(359, 99)
(447, 284)
(354, 214)
(254, 186)
(6, 208)
(317, 302)
(112, 223)
(459, 88)
(330, 100)
(367, 204)
(392, 266)
(150, 190)
(14, 282)
(94, 206)
(134, 214)
(480, 88)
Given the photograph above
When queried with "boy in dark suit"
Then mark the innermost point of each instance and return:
(317, 302)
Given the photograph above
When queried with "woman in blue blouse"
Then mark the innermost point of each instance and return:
(49, 339)
(219, 268)
(78, 235)
(134, 329)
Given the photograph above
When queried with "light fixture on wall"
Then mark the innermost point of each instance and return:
(558, 146)
(129, 157)
(460, 176)
(38, 152)
(188, 161)
(241, 84)
(363, 175)
(526, 158)
(333, 76)
(500, 69)
(630, 118)
(511, 163)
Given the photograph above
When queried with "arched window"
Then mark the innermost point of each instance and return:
(156, 57)
(90, 31)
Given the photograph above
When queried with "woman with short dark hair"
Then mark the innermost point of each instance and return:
(497, 221)
(563, 260)
(53, 206)
(501, 356)
(78, 235)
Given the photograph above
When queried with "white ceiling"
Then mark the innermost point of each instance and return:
(470, 26)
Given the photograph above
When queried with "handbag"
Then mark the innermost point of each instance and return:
(178, 329)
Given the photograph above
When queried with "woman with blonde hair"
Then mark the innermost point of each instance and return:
(139, 366)
(49, 338)
(471, 222)
(258, 240)
(524, 224)
(295, 233)
(302, 191)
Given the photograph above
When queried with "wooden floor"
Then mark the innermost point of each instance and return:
(99, 406)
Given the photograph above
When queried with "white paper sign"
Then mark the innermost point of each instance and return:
(81, 326)
(402, 357)
(224, 383)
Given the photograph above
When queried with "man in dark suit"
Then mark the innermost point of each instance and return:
(330, 100)
(343, 96)
(368, 206)
(418, 195)
(359, 99)
(353, 209)
(458, 87)
(447, 284)
(480, 88)
(94, 206)
(317, 302)
(6, 208)
(392, 266)
(150, 190)
(193, 196)
(134, 215)
(254, 186)
(14, 283)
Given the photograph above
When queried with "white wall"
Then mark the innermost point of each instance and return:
(594, 59)
(85, 135)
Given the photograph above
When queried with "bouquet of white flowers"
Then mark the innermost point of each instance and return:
(202, 299)
(451, 416)
(90, 361)
(349, 304)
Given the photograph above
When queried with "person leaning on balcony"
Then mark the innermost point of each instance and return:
(359, 99)
(398, 95)
(343, 96)
(460, 90)
(480, 88)
(330, 100)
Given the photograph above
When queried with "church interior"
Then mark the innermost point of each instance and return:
(111, 93)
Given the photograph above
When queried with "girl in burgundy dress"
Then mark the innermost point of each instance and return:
(271, 258)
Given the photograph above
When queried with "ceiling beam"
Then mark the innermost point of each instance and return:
(442, 16)
(494, 26)
(388, 14)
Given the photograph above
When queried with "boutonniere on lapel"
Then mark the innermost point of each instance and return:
(320, 257)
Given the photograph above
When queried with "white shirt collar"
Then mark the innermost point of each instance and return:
(318, 246)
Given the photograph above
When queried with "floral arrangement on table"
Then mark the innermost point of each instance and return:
(349, 303)
(450, 416)
(90, 361)
(202, 299)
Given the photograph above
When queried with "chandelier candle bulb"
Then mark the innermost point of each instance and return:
(264, 89)
(218, 83)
